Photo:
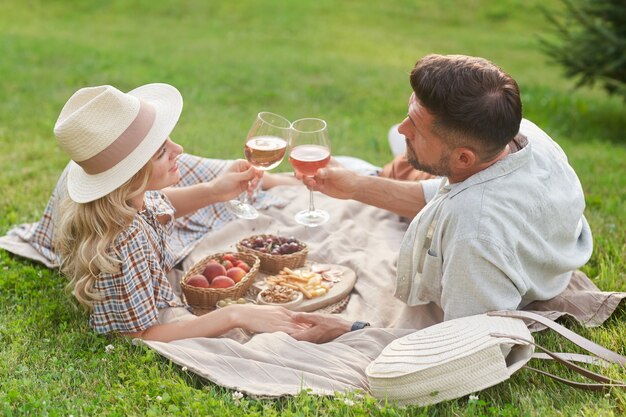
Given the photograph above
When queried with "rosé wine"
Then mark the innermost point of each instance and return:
(265, 152)
(307, 159)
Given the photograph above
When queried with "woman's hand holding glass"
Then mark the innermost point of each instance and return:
(239, 177)
(264, 148)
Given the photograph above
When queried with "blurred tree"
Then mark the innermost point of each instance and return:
(590, 42)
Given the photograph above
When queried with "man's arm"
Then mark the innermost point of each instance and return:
(405, 198)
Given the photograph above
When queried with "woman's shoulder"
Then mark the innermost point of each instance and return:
(158, 203)
(131, 237)
(136, 234)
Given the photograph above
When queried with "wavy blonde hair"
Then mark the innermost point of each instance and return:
(85, 234)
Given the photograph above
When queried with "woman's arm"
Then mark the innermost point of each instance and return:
(237, 178)
(249, 317)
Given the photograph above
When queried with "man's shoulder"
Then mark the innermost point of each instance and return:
(493, 209)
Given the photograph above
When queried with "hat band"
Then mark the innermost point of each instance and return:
(125, 143)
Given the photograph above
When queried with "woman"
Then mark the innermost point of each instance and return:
(111, 233)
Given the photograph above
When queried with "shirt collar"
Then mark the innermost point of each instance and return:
(501, 168)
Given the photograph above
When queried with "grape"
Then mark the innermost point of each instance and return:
(275, 245)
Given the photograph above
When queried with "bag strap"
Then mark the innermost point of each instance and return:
(574, 384)
(574, 357)
(604, 382)
(567, 358)
(575, 338)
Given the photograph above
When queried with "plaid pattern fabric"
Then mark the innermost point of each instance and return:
(132, 296)
(187, 230)
(40, 234)
(147, 249)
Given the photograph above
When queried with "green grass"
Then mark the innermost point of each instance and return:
(347, 62)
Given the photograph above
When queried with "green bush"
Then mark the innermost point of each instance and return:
(590, 42)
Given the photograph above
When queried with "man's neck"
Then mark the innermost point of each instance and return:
(465, 174)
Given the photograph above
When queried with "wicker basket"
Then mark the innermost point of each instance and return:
(273, 264)
(206, 298)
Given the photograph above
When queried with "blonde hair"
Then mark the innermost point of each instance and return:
(85, 234)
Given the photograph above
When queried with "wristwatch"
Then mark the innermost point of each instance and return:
(358, 325)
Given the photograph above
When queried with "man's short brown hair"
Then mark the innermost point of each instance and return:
(474, 103)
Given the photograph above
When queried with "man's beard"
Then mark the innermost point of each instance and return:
(440, 168)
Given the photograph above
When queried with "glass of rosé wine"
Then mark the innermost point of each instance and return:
(264, 148)
(309, 151)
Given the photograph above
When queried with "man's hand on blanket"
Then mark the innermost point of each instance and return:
(322, 327)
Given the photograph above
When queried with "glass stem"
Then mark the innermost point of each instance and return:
(311, 205)
(246, 196)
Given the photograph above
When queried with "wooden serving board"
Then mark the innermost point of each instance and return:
(340, 290)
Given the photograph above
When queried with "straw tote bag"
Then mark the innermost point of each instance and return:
(461, 356)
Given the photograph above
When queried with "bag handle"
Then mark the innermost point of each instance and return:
(574, 357)
(573, 337)
(566, 358)
(604, 381)
(574, 384)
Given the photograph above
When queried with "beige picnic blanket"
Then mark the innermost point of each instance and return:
(367, 240)
(363, 238)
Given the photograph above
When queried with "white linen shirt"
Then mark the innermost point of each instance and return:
(506, 236)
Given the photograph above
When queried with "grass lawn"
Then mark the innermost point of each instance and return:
(345, 61)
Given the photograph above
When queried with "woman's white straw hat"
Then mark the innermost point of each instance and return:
(111, 135)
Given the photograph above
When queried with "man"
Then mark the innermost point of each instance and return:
(504, 226)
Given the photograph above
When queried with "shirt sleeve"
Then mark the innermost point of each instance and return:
(128, 301)
(430, 188)
(474, 280)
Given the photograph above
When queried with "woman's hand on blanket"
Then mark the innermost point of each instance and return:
(264, 319)
(240, 176)
(321, 328)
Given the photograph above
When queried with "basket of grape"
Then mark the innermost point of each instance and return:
(275, 252)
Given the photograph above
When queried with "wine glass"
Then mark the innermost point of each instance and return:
(264, 148)
(309, 151)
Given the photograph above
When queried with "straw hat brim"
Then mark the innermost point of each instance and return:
(168, 104)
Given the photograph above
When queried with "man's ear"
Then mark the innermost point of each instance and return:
(464, 158)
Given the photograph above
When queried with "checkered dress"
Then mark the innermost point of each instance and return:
(148, 249)
(132, 296)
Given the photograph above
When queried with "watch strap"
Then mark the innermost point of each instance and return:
(358, 325)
